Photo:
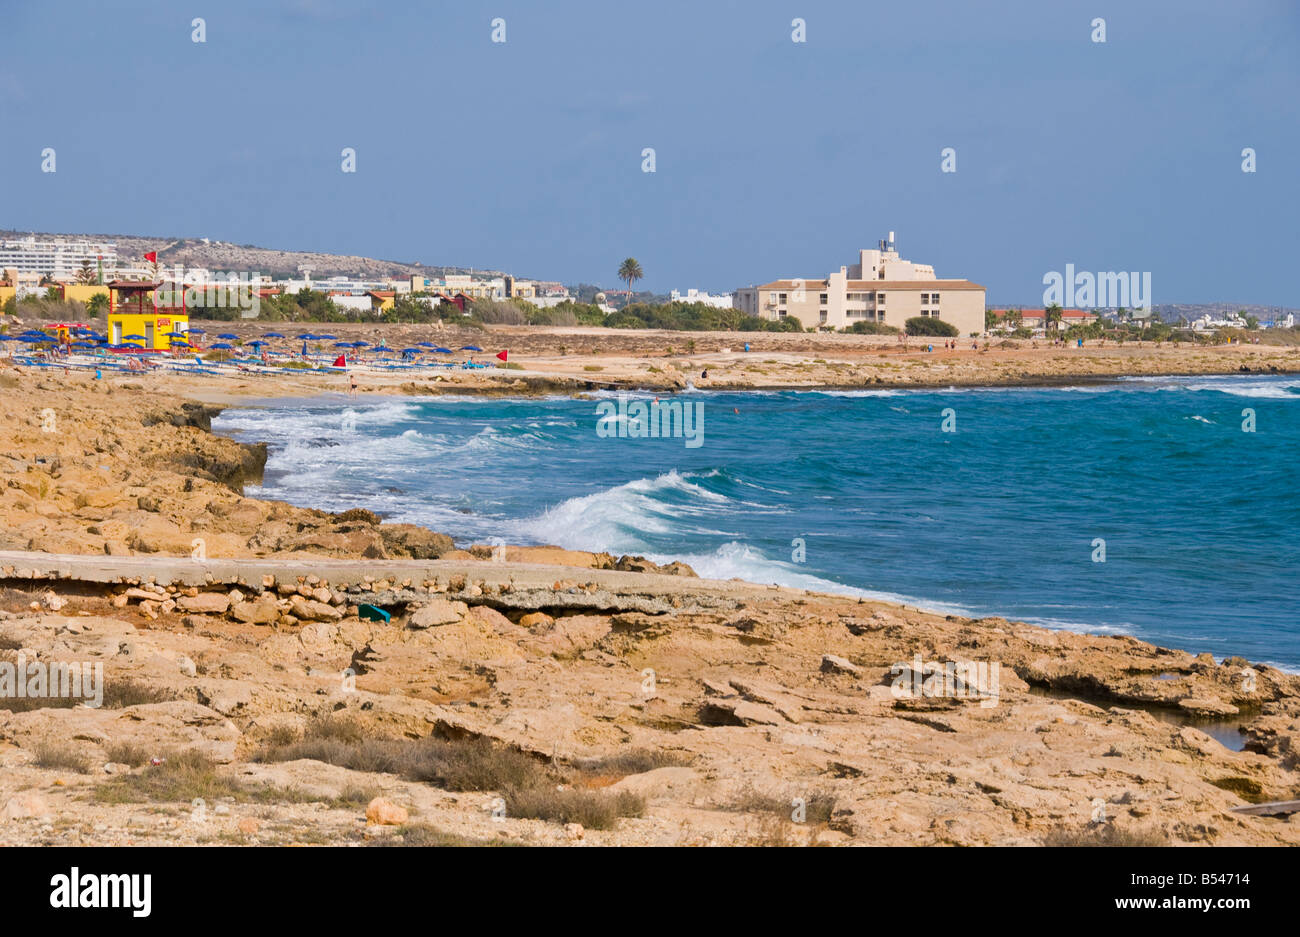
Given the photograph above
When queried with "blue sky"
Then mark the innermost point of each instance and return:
(773, 158)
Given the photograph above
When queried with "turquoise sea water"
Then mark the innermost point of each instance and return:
(1201, 520)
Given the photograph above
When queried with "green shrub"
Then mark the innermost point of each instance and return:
(926, 325)
(870, 328)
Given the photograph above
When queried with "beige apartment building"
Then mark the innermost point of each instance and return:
(880, 287)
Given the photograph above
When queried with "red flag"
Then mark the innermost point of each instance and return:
(502, 354)
(340, 362)
(152, 257)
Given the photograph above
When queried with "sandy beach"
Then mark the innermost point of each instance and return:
(573, 360)
(240, 645)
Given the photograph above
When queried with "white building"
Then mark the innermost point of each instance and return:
(722, 301)
(58, 257)
(881, 287)
(1207, 323)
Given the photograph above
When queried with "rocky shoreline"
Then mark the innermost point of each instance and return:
(329, 678)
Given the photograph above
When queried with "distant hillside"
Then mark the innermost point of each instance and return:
(224, 256)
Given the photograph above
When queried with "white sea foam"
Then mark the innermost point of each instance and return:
(1279, 390)
(616, 518)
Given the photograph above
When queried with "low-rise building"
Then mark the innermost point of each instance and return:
(722, 301)
(881, 287)
(1037, 318)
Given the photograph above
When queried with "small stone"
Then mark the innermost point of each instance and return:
(205, 603)
(187, 666)
(24, 806)
(383, 812)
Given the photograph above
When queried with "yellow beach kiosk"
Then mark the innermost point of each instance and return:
(138, 307)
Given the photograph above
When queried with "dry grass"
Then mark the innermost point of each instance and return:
(186, 776)
(126, 753)
(633, 761)
(779, 832)
(356, 796)
(595, 810)
(61, 756)
(420, 834)
(531, 790)
(117, 694)
(1105, 834)
(452, 764)
(818, 805)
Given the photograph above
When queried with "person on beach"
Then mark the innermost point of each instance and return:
(352, 383)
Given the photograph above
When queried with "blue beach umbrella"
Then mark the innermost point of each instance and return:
(138, 338)
(224, 346)
(227, 335)
(273, 335)
(327, 337)
(470, 348)
(443, 351)
(198, 331)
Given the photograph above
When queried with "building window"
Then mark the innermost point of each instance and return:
(780, 297)
(934, 299)
(880, 297)
(822, 299)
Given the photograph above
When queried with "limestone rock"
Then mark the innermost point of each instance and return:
(438, 611)
(834, 664)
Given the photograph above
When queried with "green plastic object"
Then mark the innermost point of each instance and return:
(374, 614)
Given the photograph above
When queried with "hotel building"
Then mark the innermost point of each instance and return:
(59, 258)
(880, 287)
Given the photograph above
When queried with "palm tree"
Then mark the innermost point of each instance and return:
(87, 273)
(1052, 318)
(97, 304)
(629, 271)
